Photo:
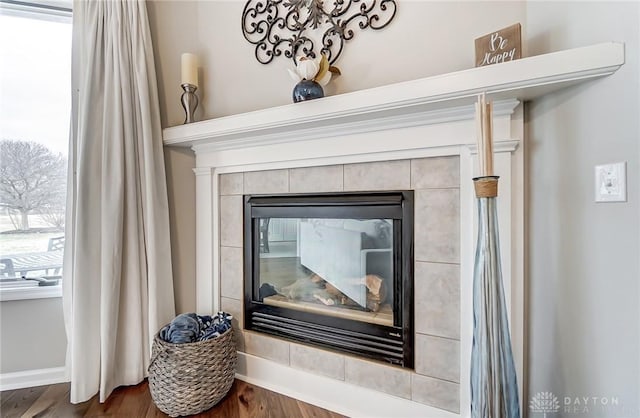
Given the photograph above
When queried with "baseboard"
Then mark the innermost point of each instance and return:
(31, 378)
(334, 395)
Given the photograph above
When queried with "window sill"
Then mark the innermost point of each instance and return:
(35, 292)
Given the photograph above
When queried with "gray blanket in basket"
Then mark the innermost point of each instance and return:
(189, 327)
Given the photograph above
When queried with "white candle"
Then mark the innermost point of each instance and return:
(189, 69)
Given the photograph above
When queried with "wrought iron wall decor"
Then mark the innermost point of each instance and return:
(283, 27)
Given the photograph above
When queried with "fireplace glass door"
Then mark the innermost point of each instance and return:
(334, 270)
(336, 267)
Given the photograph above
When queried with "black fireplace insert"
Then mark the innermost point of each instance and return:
(333, 270)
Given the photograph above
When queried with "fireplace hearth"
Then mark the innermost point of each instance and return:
(333, 270)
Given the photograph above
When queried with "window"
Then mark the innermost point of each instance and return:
(35, 103)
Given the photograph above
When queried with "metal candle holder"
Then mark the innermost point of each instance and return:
(189, 101)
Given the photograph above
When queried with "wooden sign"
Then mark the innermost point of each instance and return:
(500, 46)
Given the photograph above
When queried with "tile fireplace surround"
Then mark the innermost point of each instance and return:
(419, 136)
(436, 182)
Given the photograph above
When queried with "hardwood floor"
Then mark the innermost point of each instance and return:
(242, 401)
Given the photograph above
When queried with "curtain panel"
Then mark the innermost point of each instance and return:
(117, 287)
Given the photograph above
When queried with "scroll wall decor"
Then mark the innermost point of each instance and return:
(293, 28)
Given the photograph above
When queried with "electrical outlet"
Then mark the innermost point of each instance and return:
(611, 182)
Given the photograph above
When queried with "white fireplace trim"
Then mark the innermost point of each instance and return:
(347, 126)
(444, 139)
(208, 240)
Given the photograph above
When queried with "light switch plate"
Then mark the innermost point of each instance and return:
(611, 182)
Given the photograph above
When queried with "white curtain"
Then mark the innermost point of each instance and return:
(117, 287)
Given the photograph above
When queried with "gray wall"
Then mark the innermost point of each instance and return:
(171, 37)
(231, 81)
(32, 334)
(583, 268)
(181, 190)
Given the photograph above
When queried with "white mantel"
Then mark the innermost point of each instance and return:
(402, 104)
(421, 118)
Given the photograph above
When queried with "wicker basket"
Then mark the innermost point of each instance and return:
(189, 378)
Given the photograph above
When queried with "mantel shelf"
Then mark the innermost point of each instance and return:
(523, 79)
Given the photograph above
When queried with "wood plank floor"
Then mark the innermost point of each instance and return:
(242, 401)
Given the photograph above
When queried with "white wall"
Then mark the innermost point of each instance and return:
(584, 275)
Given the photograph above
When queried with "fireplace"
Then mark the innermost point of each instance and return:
(412, 135)
(333, 270)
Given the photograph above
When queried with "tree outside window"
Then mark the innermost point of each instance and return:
(32, 181)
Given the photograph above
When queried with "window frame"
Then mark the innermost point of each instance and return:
(31, 292)
(56, 11)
